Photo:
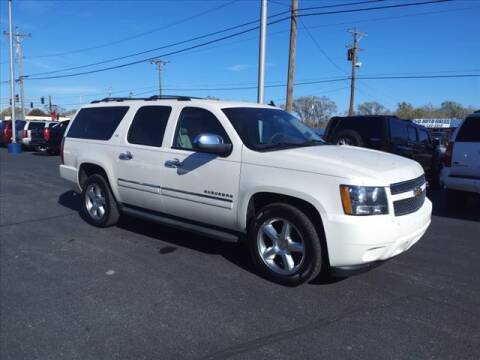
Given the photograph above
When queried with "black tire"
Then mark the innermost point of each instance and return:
(348, 137)
(456, 199)
(111, 212)
(310, 266)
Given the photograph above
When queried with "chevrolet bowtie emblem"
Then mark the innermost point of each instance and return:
(417, 191)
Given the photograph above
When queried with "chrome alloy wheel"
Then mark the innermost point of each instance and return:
(95, 201)
(280, 246)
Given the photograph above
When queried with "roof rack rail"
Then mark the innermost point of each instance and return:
(107, 99)
(154, 97)
(172, 97)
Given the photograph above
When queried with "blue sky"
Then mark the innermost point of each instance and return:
(427, 39)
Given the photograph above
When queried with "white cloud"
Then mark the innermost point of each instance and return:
(238, 67)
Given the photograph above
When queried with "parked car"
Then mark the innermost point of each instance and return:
(6, 131)
(241, 171)
(386, 133)
(49, 139)
(461, 171)
(25, 133)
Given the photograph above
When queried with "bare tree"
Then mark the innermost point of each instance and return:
(371, 108)
(314, 111)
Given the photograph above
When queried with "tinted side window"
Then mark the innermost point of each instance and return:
(36, 125)
(470, 130)
(367, 126)
(423, 136)
(148, 126)
(195, 121)
(398, 131)
(412, 134)
(97, 123)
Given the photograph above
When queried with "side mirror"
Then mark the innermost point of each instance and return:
(211, 143)
(435, 142)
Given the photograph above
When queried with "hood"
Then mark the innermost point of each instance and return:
(363, 166)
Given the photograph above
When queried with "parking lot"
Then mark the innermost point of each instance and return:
(144, 291)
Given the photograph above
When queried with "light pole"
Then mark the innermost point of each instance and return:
(261, 55)
(13, 148)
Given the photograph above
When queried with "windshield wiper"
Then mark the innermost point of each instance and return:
(312, 142)
(280, 145)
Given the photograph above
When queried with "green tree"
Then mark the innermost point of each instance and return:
(371, 108)
(452, 109)
(314, 111)
(37, 112)
(405, 110)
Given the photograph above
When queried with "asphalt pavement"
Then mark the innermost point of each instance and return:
(144, 291)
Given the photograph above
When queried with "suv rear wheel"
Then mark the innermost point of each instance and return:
(99, 206)
(348, 137)
(284, 245)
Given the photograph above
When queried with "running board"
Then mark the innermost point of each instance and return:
(182, 225)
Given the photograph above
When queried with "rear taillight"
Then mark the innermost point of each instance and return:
(61, 150)
(447, 160)
(25, 134)
(46, 134)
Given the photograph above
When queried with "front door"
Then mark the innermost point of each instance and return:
(199, 186)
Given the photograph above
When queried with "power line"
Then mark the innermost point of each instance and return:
(319, 47)
(212, 41)
(181, 21)
(158, 48)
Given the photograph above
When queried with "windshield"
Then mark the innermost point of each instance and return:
(269, 129)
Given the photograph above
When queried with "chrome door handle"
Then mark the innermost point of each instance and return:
(173, 163)
(127, 155)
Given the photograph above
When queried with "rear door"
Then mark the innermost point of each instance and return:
(140, 160)
(466, 150)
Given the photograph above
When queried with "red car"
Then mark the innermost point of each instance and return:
(6, 131)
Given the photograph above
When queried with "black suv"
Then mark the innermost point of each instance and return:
(386, 133)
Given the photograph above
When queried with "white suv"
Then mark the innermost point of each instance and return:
(461, 173)
(243, 171)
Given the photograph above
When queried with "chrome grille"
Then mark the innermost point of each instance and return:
(406, 186)
(409, 205)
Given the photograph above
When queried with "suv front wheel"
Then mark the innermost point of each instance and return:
(284, 245)
(99, 207)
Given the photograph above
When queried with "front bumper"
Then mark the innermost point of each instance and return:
(356, 241)
(38, 142)
(469, 184)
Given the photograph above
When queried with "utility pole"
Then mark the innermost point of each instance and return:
(18, 38)
(261, 52)
(12, 76)
(291, 55)
(352, 56)
(159, 63)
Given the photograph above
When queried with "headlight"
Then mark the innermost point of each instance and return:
(363, 200)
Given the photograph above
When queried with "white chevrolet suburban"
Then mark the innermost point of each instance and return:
(461, 171)
(241, 171)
